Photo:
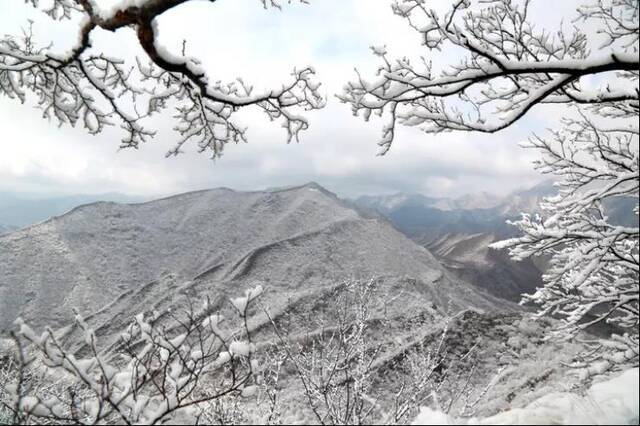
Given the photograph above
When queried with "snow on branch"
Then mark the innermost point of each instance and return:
(348, 376)
(595, 265)
(509, 66)
(83, 87)
(160, 371)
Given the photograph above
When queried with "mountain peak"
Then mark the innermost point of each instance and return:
(117, 256)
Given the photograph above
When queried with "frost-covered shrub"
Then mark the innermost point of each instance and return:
(593, 272)
(7, 369)
(346, 375)
(516, 342)
(193, 366)
(169, 367)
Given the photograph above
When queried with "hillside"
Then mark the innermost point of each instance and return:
(469, 257)
(114, 259)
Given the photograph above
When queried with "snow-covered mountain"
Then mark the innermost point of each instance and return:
(481, 200)
(471, 213)
(468, 256)
(527, 200)
(458, 232)
(389, 203)
(112, 259)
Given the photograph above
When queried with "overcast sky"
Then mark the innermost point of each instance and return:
(240, 38)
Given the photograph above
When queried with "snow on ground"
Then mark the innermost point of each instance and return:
(614, 401)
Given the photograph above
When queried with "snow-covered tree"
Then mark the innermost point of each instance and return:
(594, 267)
(193, 366)
(348, 377)
(509, 66)
(335, 363)
(175, 366)
(88, 87)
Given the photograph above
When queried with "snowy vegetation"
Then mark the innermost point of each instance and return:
(188, 364)
(156, 371)
(510, 67)
(594, 266)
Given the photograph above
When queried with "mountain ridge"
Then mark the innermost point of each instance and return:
(218, 239)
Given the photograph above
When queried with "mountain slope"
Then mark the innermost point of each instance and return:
(458, 232)
(114, 260)
(469, 257)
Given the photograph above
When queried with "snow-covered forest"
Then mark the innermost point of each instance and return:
(293, 304)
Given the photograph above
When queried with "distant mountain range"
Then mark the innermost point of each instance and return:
(431, 217)
(458, 232)
(387, 203)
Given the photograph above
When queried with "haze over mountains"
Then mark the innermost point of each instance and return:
(459, 231)
(21, 209)
(429, 217)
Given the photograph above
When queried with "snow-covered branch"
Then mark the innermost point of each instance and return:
(347, 376)
(87, 87)
(595, 264)
(166, 365)
(509, 66)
